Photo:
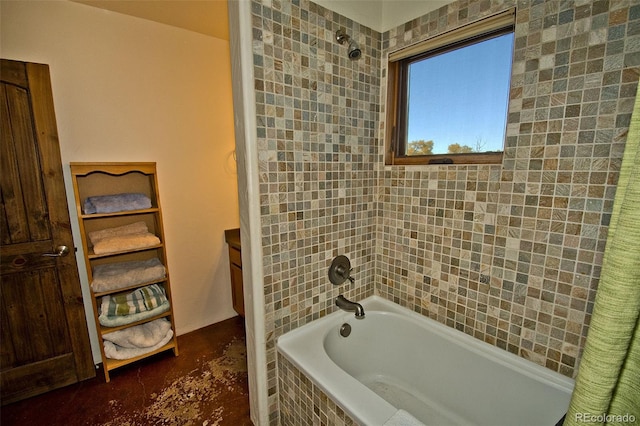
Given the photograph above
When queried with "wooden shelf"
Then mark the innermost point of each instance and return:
(111, 364)
(118, 214)
(96, 179)
(117, 169)
(92, 255)
(132, 287)
(106, 330)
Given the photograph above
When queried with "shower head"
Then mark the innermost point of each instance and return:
(353, 50)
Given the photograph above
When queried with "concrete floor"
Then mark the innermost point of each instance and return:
(205, 385)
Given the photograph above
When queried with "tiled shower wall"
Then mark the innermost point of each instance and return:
(317, 115)
(509, 253)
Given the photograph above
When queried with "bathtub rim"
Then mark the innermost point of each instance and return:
(351, 395)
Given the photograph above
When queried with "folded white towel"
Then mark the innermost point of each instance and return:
(403, 418)
(119, 231)
(112, 276)
(140, 336)
(116, 352)
(125, 242)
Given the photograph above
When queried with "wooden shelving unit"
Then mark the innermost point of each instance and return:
(97, 179)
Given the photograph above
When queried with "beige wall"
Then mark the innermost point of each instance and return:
(127, 89)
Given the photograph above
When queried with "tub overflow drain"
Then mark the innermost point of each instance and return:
(345, 330)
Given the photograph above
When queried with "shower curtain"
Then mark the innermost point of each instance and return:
(608, 383)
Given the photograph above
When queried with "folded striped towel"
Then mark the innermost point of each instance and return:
(117, 321)
(140, 300)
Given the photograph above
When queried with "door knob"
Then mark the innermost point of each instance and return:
(61, 251)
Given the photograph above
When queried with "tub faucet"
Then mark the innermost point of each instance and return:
(349, 306)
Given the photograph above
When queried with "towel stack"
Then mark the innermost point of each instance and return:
(138, 305)
(128, 237)
(116, 203)
(137, 340)
(113, 276)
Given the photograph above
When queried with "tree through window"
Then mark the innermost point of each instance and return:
(451, 99)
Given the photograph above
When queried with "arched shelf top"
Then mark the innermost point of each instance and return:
(115, 169)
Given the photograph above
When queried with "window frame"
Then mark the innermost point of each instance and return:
(397, 88)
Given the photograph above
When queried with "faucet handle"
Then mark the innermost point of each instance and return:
(340, 270)
(344, 273)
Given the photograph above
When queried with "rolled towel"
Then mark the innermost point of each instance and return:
(112, 276)
(403, 418)
(118, 320)
(140, 336)
(116, 203)
(116, 352)
(125, 242)
(119, 231)
(140, 300)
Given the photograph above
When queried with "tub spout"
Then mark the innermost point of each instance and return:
(349, 306)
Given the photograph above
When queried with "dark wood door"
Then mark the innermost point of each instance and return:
(44, 338)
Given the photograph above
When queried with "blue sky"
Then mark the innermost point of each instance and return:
(461, 96)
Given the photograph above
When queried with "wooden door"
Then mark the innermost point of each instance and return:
(44, 338)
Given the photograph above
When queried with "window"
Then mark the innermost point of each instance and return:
(448, 96)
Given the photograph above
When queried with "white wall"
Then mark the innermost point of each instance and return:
(127, 89)
(382, 15)
(397, 12)
(365, 12)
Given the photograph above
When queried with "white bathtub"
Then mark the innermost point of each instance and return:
(395, 359)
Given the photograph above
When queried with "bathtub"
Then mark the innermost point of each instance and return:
(396, 361)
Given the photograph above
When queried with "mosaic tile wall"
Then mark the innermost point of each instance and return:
(317, 115)
(511, 253)
(508, 253)
(303, 403)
